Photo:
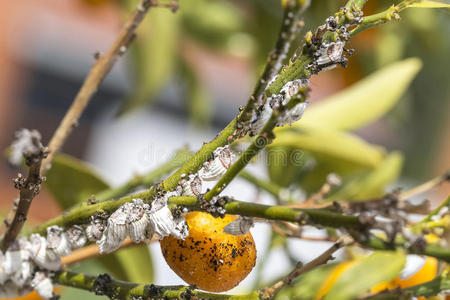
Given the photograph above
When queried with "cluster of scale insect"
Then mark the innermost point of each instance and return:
(327, 55)
(212, 170)
(29, 262)
(276, 102)
(139, 221)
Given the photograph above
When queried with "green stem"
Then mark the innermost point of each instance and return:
(429, 250)
(379, 18)
(428, 223)
(148, 179)
(321, 217)
(435, 211)
(116, 289)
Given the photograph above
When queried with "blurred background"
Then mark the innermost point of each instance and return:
(184, 79)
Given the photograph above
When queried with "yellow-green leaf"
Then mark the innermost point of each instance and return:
(429, 4)
(365, 273)
(72, 181)
(333, 144)
(371, 185)
(211, 22)
(307, 285)
(365, 101)
(285, 164)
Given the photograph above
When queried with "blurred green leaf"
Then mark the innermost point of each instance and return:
(333, 144)
(153, 56)
(428, 4)
(130, 264)
(365, 273)
(284, 164)
(365, 101)
(372, 184)
(71, 181)
(211, 22)
(315, 172)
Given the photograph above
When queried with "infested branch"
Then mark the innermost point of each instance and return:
(105, 285)
(28, 187)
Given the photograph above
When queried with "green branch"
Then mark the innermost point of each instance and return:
(377, 19)
(116, 289)
(323, 217)
(289, 28)
(433, 250)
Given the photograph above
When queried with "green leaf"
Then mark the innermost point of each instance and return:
(153, 56)
(211, 22)
(130, 264)
(314, 174)
(333, 144)
(72, 181)
(372, 184)
(365, 101)
(285, 164)
(365, 273)
(307, 285)
(428, 4)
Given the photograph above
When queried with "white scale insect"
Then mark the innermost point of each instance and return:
(39, 253)
(58, 242)
(330, 54)
(43, 285)
(216, 167)
(240, 226)
(289, 90)
(192, 187)
(26, 141)
(94, 230)
(77, 237)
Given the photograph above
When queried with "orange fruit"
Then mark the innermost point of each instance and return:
(33, 295)
(209, 258)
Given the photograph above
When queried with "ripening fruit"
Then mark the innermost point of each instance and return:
(34, 295)
(209, 258)
(31, 296)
